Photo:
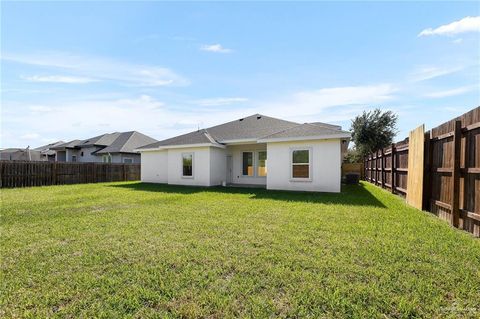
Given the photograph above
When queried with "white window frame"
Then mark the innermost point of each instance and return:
(253, 164)
(257, 163)
(127, 158)
(193, 165)
(310, 161)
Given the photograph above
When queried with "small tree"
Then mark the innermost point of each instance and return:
(373, 130)
(353, 156)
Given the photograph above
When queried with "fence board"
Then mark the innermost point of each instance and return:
(29, 173)
(415, 167)
(352, 168)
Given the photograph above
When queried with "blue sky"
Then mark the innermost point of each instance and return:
(73, 70)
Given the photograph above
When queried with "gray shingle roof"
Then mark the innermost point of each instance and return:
(48, 146)
(127, 142)
(101, 140)
(197, 137)
(48, 149)
(253, 127)
(332, 126)
(306, 130)
(118, 142)
(12, 150)
(70, 144)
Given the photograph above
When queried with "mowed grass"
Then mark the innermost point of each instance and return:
(153, 251)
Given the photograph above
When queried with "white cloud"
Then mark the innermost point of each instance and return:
(40, 108)
(220, 101)
(430, 72)
(59, 79)
(217, 48)
(329, 104)
(453, 109)
(457, 41)
(452, 92)
(467, 24)
(101, 68)
(30, 136)
(80, 119)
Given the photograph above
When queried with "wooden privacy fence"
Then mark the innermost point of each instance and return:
(28, 173)
(438, 170)
(388, 167)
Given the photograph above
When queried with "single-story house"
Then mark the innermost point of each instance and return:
(256, 150)
(46, 151)
(118, 147)
(20, 154)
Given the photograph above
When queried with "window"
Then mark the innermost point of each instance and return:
(74, 158)
(128, 160)
(247, 163)
(301, 163)
(187, 165)
(81, 154)
(107, 158)
(262, 163)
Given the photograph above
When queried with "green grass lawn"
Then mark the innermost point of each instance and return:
(138, 250)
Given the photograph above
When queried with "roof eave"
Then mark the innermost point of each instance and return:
(239, 141)
(114, 152)
(166, 147)
(63, 148)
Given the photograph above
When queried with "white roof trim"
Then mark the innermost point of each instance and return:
(240, 141)
(166, 147)
(147, 149)
(304, 138)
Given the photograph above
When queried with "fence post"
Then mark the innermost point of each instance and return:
(124, 173)
(455, 183)
(54, 177)
(393, 167)
(382, 162)
(365, 167)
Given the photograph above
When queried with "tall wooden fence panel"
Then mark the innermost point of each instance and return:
(28, 173)
(454, 167)
(388, 167)
(353, 168)
(451, 171)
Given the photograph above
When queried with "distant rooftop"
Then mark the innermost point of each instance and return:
(117, 142)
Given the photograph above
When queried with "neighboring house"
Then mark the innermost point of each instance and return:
(46, 151)
(115, 147)
(257, 150)
(20, 154)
